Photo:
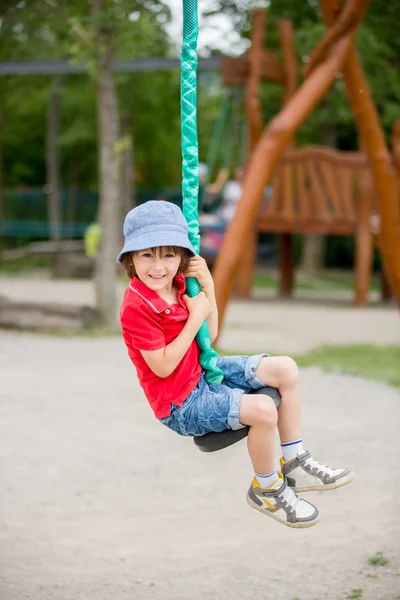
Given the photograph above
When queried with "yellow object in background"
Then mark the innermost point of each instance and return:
(91, 240)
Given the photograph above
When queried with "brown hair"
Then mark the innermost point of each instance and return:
(127, 262)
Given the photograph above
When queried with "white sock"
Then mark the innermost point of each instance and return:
(291, 449)
(267, 480)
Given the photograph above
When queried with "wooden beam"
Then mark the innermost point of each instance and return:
(350, 16)
(235, 70)
(252, 102)
(254, 118)
(290, 69)
(396, 145)
(290, 62)
(274, 139)
(383, 171)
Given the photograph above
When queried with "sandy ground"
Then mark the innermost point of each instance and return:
(98, 501)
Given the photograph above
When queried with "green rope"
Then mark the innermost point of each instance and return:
(190, 170)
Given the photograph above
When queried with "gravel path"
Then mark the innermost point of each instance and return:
(99, 502)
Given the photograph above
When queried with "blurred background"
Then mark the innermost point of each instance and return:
(49, 123)
(98, 501)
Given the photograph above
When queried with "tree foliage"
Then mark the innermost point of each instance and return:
(378, 46)
(56, 29)
(60, 29)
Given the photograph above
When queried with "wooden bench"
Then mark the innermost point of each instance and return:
(325, 191)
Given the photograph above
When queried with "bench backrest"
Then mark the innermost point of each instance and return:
(318, 189)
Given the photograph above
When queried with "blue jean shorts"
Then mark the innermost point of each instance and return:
(216, 407)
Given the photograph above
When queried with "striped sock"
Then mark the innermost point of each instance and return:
(267, 480)
(291, 449)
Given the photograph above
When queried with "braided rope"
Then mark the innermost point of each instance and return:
(190, 170)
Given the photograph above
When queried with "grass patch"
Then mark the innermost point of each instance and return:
(356, 593)
(381, 363)
(341, 281)
(270, 282)
(371, 362)
(324, 281)
(378, 560)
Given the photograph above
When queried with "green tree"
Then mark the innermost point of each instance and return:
(96, 34)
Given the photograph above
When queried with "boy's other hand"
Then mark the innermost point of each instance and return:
(199, 306)
(198, 268)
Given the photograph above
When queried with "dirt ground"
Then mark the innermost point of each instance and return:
(98, 501)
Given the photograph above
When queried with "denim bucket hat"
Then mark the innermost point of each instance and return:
(155, 223)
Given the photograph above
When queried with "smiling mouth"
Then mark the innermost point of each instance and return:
(157, 277)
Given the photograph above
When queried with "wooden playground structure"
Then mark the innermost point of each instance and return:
(319, 190)
(315, 189)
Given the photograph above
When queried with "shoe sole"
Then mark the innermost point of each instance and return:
(301, 525)
(329, 486)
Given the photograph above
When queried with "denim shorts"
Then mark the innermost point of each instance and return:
(216, 407)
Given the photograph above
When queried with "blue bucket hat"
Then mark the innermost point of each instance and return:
(153, 224)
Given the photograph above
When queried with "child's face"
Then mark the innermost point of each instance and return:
(157, 268)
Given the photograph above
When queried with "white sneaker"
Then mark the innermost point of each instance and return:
(281, 503)
(305, 474)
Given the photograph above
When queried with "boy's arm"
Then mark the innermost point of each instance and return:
(212, 319)
(165, 360)
(198, 268)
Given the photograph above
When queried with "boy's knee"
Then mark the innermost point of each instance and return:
(265, 412)
(290, 370)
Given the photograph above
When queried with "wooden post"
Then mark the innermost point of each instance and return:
(290, 69)
(396, 146)
(363, 240)
(371, 134)
(286, 264)
(386, 292)
(265, 156)
(347, 17)
(254, 119)
(252, 92)
(290, 63)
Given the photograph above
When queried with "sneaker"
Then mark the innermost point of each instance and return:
(281, 503)
(304, 474)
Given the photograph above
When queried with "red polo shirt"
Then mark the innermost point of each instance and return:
(149, 323)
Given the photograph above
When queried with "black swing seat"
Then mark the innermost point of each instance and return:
(213, 441)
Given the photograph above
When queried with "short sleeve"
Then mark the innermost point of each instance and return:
(143, 327)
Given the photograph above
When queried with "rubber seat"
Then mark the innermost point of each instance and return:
(213, 441)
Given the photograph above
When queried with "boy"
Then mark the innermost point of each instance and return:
(159, 324)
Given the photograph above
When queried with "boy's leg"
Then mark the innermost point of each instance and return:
(282, 372)
(276, 500)
(303, 472)
(259, 412)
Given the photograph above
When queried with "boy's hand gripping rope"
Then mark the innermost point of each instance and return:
(190, 169)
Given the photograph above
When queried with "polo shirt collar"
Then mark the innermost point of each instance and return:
(151, 297)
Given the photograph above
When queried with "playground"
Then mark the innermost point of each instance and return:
(98, 500)
(84, 519)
